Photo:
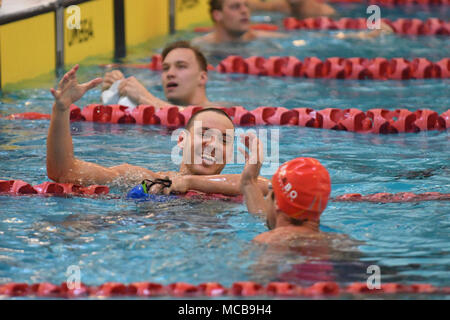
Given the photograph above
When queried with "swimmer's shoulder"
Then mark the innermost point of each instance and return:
(263, 238)
(277, 236)
(205, 39)
(269, 34)
(212, 104)
(283, 236)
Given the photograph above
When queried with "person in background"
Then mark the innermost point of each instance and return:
(231, 20)
(385, 29)
(184, 78)
(300, 9)
(303, 9)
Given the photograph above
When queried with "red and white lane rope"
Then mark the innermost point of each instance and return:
(210, 289)
(378, 121)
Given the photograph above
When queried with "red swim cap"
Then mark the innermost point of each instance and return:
(302, 187)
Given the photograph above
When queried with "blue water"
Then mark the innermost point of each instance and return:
(112, 239)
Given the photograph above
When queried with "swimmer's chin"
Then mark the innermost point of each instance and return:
(203, 169)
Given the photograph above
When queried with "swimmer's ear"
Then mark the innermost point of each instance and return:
(276, 205)
(203, 78)
(216, 15)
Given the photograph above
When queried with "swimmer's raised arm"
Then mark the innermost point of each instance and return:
(254, 198)
(62, 166)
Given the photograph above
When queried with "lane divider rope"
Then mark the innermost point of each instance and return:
(403, 26)
(356, 68)
(377, 121)
(396, 2)
(337, 68)
(401, 2)
(19, 187)
(211, 289)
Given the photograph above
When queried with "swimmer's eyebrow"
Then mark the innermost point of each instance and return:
(225, 135)
(178, 62)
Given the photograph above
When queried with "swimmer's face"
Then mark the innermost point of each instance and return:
(234, 16)
(182, 76)
(208, 144)
(271, 210)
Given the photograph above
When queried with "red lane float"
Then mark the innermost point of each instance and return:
(19, 187)
(211, 289)
(147, 289)
(213, 196)
(412, 27)
(356, 68)
(378, 121)
(182, 289)
(401, 2)
(28, 116)
(393, 197)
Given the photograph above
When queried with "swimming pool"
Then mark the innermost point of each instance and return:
(113, 239)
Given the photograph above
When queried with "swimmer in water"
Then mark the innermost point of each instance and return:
(231, 20)
(206, 142)
(300, 9)
(184, 78)
(385, 29)
(301, 188)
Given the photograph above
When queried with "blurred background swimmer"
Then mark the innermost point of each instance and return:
(300, 9)
(231, 20)
(385, 29)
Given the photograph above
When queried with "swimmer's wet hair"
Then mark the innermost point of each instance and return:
(219, 111)
(186, 45)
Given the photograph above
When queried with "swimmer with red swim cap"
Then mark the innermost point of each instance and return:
(300, 191)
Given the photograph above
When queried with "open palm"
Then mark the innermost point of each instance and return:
(254, 159)
(70, 91)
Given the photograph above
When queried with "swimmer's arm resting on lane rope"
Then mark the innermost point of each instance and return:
(226, 184)
(62, 166)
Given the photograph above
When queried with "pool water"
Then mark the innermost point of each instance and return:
(113, 239)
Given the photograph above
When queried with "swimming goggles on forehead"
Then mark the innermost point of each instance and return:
(147, 184)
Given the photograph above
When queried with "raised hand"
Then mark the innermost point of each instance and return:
(110, 78)
(253, 160)
(133, 89)
(70, 91)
